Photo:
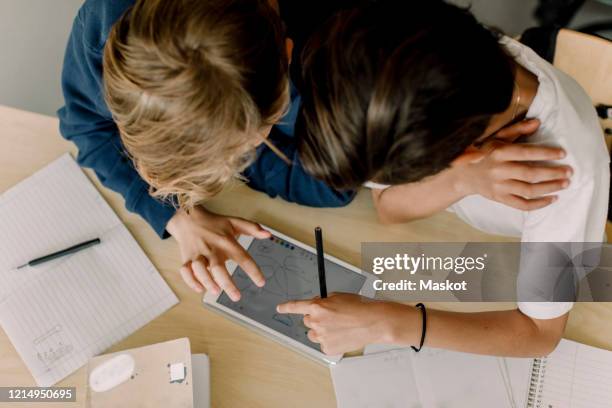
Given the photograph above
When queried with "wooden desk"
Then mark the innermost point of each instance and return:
(247, 370)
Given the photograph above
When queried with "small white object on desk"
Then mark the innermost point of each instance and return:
(177, 372)
(113, 372)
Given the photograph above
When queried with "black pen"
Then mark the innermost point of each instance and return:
(73, 249)
(321, 263)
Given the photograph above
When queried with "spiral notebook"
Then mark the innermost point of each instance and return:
(61, 313)
(573, 376)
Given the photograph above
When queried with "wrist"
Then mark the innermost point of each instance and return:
(460, 182)
(173, 225)
(401, 325)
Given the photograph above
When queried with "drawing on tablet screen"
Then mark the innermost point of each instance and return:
(279, 277)
(291, 274)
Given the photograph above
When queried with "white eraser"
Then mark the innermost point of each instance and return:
(111, 373)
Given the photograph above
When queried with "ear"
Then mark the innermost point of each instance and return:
(289, 48)
(470, 155)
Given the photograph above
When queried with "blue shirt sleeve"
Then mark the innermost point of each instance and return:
(86, 120)
(271, 175)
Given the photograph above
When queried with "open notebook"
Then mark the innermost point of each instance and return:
(61, 313)
(573, 376)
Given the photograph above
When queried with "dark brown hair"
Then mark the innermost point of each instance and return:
(393, 91)
(190, 83)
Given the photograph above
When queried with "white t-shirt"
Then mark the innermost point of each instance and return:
(568, 120)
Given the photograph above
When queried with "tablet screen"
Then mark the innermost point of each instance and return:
(291, 274)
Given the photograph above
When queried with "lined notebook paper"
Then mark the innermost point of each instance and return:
(573, 376)
(61, 313)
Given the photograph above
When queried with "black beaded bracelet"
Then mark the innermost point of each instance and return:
(424, 330)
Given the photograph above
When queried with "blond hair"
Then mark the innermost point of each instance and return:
(190, 84)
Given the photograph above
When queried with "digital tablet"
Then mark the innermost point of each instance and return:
(290, 269)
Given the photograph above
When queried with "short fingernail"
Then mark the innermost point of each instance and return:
(553, 199)
(235, 296)
(562, 154)
(566, 184)
(260, 283)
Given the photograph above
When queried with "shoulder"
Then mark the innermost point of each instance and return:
(97, 17)
(556, 87)
(566, 112)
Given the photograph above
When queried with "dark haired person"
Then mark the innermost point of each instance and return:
(406, 96)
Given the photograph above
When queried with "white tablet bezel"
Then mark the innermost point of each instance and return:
(210, 300)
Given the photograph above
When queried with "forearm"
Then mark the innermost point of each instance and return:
(422, 199)
(502, 333)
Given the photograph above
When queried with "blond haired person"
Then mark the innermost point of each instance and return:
(174, 99)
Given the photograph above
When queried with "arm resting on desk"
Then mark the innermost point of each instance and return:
(346, 322)
(408, 202)
(503, 333)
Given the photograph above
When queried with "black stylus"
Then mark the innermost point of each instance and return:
(321, 263)
(63, 252)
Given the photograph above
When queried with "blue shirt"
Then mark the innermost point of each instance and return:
(86, 120)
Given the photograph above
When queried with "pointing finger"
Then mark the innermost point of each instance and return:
(295, 307)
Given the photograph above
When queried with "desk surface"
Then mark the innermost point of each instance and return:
(246, 369)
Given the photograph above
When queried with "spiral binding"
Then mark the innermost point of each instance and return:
(536, 382)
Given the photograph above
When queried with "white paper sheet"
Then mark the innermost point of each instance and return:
(455, 380)
(451, 379)
(61, 313)
(383, 380)
(519, 373)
